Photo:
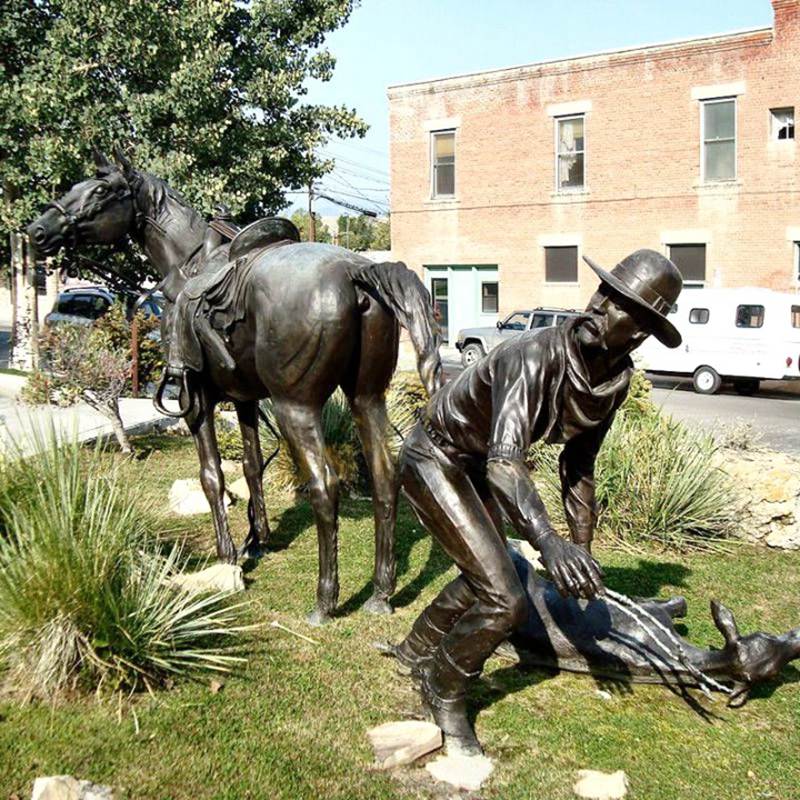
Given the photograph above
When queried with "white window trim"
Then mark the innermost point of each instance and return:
(571, 190)
(771, 125)
(716, 100)
(432, 154)
(481, 284)
(718, 91)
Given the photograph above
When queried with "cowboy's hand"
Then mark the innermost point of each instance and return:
(572, 569)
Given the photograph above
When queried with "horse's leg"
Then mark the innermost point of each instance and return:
(372, 421)
(252, 461)
(301, 425)
(366, 388)
(201, 425)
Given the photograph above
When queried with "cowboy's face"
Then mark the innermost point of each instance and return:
(620, 329)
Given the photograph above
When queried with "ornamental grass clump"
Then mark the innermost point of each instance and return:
(85, 597)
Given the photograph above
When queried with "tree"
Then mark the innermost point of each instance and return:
(363, 233)
(207, 95)
(321, 231)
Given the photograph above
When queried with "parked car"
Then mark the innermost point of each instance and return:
(474, 343)
(743, 335)
(83, 305)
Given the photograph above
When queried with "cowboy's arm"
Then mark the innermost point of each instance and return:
(519, 389)
(576, 469)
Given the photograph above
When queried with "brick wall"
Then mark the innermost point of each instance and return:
(643, 171)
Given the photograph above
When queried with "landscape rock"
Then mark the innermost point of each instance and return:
(239, 489)
(65, 787)
(216, 578)
(398, 743)
(595, 785)
(767, 486)
(186, 498)
(465, 772)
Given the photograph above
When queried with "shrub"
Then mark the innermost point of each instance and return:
(655, 480)
(84, 596)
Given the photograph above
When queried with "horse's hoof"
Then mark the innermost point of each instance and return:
(253, 550)
(377, 605)
(318, 618)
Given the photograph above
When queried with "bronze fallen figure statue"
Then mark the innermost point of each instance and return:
(604, 638)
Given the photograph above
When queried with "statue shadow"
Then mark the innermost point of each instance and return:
(409, 531)
(647, 578)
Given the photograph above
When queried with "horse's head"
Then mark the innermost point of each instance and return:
(755, 658)
(100, 210)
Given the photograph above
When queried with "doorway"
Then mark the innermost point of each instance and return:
(439, 292)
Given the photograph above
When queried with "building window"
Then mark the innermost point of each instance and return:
(698, 316)
(719, 140)
(489, 298)
(796, 268)
(570, 153)
(796, 316)
(782, 123)
(561, 264)
(749, 316)
(443, 159)
(690, 259)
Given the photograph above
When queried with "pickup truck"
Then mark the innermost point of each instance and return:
(475, 343)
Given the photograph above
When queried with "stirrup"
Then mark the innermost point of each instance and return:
(174, 375)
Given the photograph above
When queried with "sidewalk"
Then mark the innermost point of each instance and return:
(18, 420)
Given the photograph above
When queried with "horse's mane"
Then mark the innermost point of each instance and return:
(158, 194)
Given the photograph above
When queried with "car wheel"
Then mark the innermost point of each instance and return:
(706, 380)
(471, 353)
(746, 386)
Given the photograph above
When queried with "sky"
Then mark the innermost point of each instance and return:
(389, 42)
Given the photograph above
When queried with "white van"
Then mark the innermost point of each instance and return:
(744, 335)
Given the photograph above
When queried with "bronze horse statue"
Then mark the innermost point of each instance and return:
(308, 318)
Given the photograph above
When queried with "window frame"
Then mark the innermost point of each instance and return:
(577, 249)
(584, 186)
(795, 312)
(773, 130)
(691, 283)
(433, 165)
(796, 263)
(716, 101)
(496, 284)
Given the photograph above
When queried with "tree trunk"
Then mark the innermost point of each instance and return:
(25, 326)
(110, 410)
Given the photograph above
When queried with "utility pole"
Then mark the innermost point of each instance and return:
(312, 226)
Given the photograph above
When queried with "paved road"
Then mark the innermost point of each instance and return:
(774, 413)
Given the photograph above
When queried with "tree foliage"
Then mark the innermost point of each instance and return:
(363, 233)
(206, 93)
(321, 231)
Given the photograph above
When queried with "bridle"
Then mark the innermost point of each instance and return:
(121, 189)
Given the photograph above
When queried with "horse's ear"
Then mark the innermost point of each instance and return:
(122, 160)
(724, 620)
(100, 159)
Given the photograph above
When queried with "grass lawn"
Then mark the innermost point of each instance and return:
(291, 724)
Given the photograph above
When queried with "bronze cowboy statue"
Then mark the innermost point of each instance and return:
(266, 316)
(463, 471)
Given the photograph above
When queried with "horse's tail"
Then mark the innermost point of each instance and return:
(406, 296)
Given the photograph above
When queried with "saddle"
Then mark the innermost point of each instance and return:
(210, 302)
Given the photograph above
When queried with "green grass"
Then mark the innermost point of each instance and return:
(291, 723)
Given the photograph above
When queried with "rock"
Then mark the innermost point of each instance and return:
(528, 552)
(216, 578)
(767, 486)
(595, 785)
(602, 694)
(239, 489)
(230, 467)
(186, 497)
(65, 787)
(465, 772)
(398, 743)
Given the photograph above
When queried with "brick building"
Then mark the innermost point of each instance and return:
(501, 180)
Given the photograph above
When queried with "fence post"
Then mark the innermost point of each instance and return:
(135, 354)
